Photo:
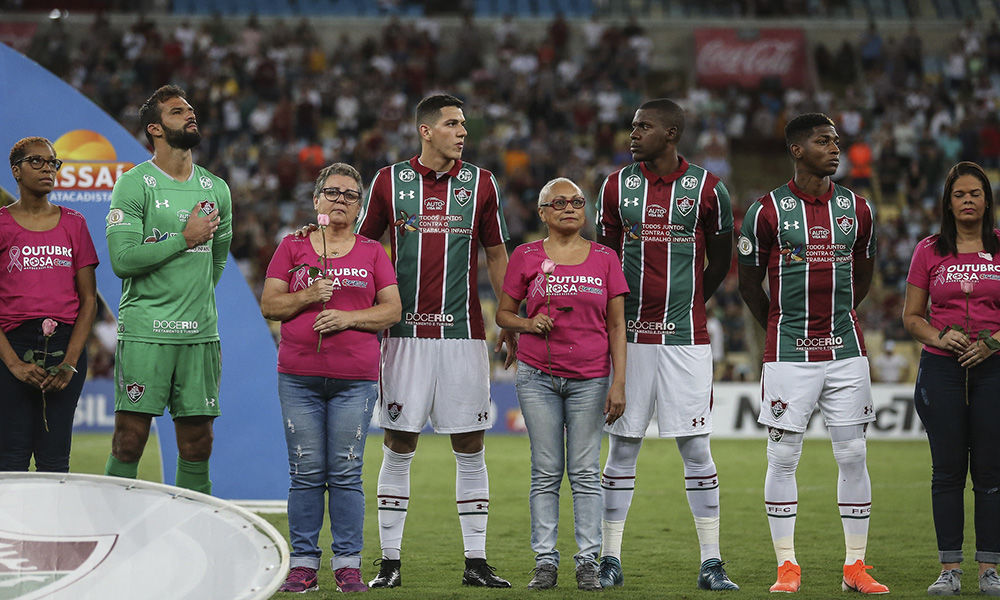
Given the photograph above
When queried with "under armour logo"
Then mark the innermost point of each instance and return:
(697, 422)
(394, 503)
(480, 507)
(164, 204)
(710, 482)
(791, 225)
(868, 410)
(480, 417)
(409, 194)
(627, 202)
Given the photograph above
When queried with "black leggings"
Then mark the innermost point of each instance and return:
(22, 430)
(964, 438)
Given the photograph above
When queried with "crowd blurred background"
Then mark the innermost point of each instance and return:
(550, 88)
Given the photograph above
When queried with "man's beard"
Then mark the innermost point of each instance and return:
(182, 139)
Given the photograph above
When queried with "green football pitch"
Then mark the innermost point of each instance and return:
(660, 551)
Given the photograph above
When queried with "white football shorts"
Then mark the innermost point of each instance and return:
(791, 391)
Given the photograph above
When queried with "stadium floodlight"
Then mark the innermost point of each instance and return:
(67, 535)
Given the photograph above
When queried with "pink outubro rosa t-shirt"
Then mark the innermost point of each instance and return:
(579, 337)
(39, 269)
(357, 277)
(942, 277)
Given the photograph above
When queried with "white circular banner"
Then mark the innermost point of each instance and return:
(76, 536)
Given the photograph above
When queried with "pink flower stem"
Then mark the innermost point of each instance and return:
(969, 333)
(548, 349)
(45, 419)
(322, 233)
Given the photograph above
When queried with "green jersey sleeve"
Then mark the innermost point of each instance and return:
(224, 234)
(124, 231)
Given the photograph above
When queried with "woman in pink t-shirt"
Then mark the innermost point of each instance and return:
(956, 396)
(332, 291)
(49, 296)
(573, 335)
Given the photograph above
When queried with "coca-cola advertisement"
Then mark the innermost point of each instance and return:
(726, 57)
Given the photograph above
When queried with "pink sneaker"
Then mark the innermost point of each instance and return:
(349, 580)
(300, 580)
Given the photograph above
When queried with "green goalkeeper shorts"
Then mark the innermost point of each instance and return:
(184, 378)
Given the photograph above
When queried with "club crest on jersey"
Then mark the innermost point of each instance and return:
(206, 182)
(406, 222)
(407, 175)
(134, 391)
(689, 182)
(433, 204)
(788, 203)
(745, 246)
(775, 434)
(464, 176)
(394, 409)
(150, 180)
(685, 204)
(778, 408)
(845, 223)
(843, 202)
(207, 206)
(463, 196)
(656, 211)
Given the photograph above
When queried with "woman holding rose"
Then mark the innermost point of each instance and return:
(958, 271)
(49, 296)
(574, 334)
(332, 291)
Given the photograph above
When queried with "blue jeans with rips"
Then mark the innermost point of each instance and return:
(565, 423)
(326, 424)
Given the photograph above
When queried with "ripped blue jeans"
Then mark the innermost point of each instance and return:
(326, 424)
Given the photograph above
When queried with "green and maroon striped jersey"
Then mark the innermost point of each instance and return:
(433, 224)
(809, 245)
(658, 225)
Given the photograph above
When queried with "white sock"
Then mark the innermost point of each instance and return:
(781, 496)
(472, 496)
(701, 482)
(854, 496)
(617, 487)
(393, 498)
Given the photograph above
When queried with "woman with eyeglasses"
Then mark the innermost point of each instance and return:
(49, 296)
(572, 336)
(332, 291)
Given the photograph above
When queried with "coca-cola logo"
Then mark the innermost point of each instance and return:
(725, 58)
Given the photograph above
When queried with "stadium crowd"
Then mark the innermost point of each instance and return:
(276, 106)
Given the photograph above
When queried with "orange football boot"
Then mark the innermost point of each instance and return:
(789, 578)
(856, 578)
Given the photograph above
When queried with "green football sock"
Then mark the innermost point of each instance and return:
(193, 475)
(118, 468)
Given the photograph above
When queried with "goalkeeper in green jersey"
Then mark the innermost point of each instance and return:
(168, 231)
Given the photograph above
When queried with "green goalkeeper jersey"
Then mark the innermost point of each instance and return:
(168, 290)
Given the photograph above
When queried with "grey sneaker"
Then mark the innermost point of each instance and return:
(587, 578)
(989, 582)
(947, 584)
(611, 572)
(545, 577)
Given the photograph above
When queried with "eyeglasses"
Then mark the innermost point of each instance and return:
(349, 197)
(37, 162)
(560, 203)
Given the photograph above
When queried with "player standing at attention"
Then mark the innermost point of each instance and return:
(168, 232)
(671, 223)
(815, 241)
(434, 361)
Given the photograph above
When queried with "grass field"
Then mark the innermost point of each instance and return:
(660, 552)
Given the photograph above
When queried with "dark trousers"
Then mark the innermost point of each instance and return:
(964, 437)
(22, 429)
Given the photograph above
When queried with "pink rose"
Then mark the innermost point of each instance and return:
(548, 266)
(322, 219)
(49, 327)
(968, 286)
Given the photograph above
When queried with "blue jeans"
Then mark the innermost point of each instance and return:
(564, 425)
(326, 423)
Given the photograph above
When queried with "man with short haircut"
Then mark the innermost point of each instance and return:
(815, 242)
(435, 363)
(168, 232)
(670, 222)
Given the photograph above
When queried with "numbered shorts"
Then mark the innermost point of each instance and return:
(673, 381)
(446, 381)
(791, 391)
(184, 378)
